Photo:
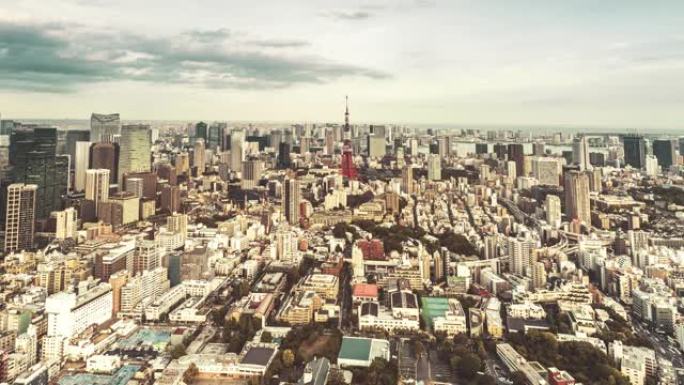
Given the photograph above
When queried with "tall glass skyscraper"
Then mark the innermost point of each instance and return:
(34, 161)
(135, 149)
(635, 151)
(103, 127)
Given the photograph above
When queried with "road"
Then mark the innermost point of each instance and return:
(668, 355)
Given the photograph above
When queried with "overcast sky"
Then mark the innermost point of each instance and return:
(597, 63)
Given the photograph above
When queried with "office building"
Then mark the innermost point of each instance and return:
(635, 151)
(104, 127)
(170, 199)
(552, 206)
(135, 150)
(577, 206)
(20, 217)
(66, 223)
(69, 313)
(105, 155)
(546, 171)
(580, 152)
(434, 167)
(251, 173)
(291, 200)
(97, 186)
(516, 153)
(284, 159)
(666, 152)
(81, 161)
(237, 150)
(199, 156)
(33, 157)
(407, 180)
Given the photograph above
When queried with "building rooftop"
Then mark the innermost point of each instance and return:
(355, 348)
(258, 356)
(365, 290)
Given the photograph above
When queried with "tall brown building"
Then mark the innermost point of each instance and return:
(105, 156)
(168, 172)
(149, 183)
(171, 199)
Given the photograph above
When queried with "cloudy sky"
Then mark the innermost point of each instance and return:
(581, 63)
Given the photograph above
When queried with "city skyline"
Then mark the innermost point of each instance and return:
(607, 65)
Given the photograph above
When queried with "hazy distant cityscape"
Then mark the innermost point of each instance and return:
(376, 192)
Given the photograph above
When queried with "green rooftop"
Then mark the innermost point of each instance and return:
(433, 307)
(355, 348)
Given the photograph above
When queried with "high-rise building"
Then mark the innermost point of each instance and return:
(73, 137)
(580, 153)
(546, 170)
(146, 256)
(182, 163)
(135, 150)
(651, 166)
(512, 169)
(291, 200)
(538, 149)
(170, 199)
(66, 223)
(166, 171)
(522, 256)
(103, 127)
(97, 186)
(407, 180)
(444, 146)
(251, 173)
(666, 152)
(81, 164)
(552, 206)
(284, 160)
(199, 156)
(577, 206)
(177, 223)
(376, 146)
(33, 157)
(516, 153)
(237, 150)
(105, 155)
(434, 167)
(134, 186)
(20, 216)
(201, 131)
(635, 151)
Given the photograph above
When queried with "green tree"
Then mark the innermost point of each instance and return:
(178, 351)
(266, 336)
(518, 378)
(469, 365)
(288, 358)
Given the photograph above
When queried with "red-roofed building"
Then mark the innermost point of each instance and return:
(372, 249)
(365, 292)
(560, 377)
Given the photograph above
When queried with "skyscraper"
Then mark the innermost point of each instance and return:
(251, 173)
(666, 152)
(34, 160)
(580, 152)
(546, 170)
(635, 151)
(434, 167)
(291, 200)
(198, 156)
(516, 153)
(552, 206)
(521, 252)
(407, 179)
(106, 155)
(97, 186)
(577, 205)
(65, 223)
(237, 150)
(283, 155)
(135, 149)
(103, 127)
(20, 216)
(81, 164)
